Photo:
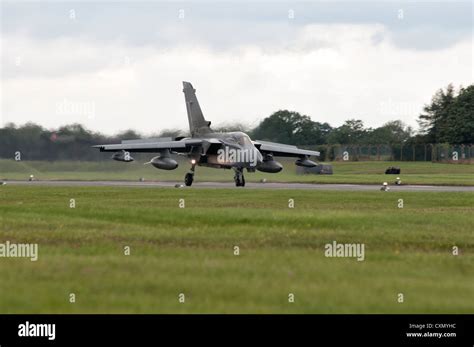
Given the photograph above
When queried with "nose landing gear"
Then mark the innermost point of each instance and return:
(239, 177)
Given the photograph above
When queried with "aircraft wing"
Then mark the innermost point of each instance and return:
(282, 150)
(154, 145)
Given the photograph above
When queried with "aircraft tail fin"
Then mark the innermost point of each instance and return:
(197, 123)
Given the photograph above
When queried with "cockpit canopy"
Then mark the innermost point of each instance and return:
(239, 138)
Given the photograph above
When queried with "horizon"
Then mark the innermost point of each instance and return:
(182, 130)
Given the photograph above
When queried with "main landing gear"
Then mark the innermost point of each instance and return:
(239, 177)
(189, 177)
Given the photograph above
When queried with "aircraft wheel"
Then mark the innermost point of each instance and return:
(188, 179)
(237, 181)
(240, 181)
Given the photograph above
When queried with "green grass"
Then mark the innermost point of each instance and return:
(190, 251)
(344, 172)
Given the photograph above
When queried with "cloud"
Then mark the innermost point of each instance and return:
(228, 23)
(330, 72)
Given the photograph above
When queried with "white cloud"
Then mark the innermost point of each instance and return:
(329, 72)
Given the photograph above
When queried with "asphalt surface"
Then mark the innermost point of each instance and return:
(249, 185)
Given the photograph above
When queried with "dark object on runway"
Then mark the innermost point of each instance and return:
(320, 169)
(392, 170)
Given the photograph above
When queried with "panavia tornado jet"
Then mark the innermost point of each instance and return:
(232, 150)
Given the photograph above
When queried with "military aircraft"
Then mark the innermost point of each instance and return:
(231, 150)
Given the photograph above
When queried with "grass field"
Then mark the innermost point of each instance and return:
(191, 250)
(344, 172)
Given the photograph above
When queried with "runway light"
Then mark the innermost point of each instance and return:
(193, 161)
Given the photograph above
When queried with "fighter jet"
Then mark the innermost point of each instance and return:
(230, 150)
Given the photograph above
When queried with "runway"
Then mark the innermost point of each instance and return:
(249, 185)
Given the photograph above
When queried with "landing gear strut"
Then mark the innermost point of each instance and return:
(189, 178)
(239, 177)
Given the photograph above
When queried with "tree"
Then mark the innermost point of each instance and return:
(433, 120)
(394, 132)
(292, 128)
(449, 118)
(351, 132)
(128, 135)
(459, 123)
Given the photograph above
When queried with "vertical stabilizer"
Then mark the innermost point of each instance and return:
(197, 123)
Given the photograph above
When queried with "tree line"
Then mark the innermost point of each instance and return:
(448, 118)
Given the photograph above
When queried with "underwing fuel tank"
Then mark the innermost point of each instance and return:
(164, 163)
(305, 162)
(122, 156)
(271, 166)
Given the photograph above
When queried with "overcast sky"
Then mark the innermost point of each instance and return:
(115, 66)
